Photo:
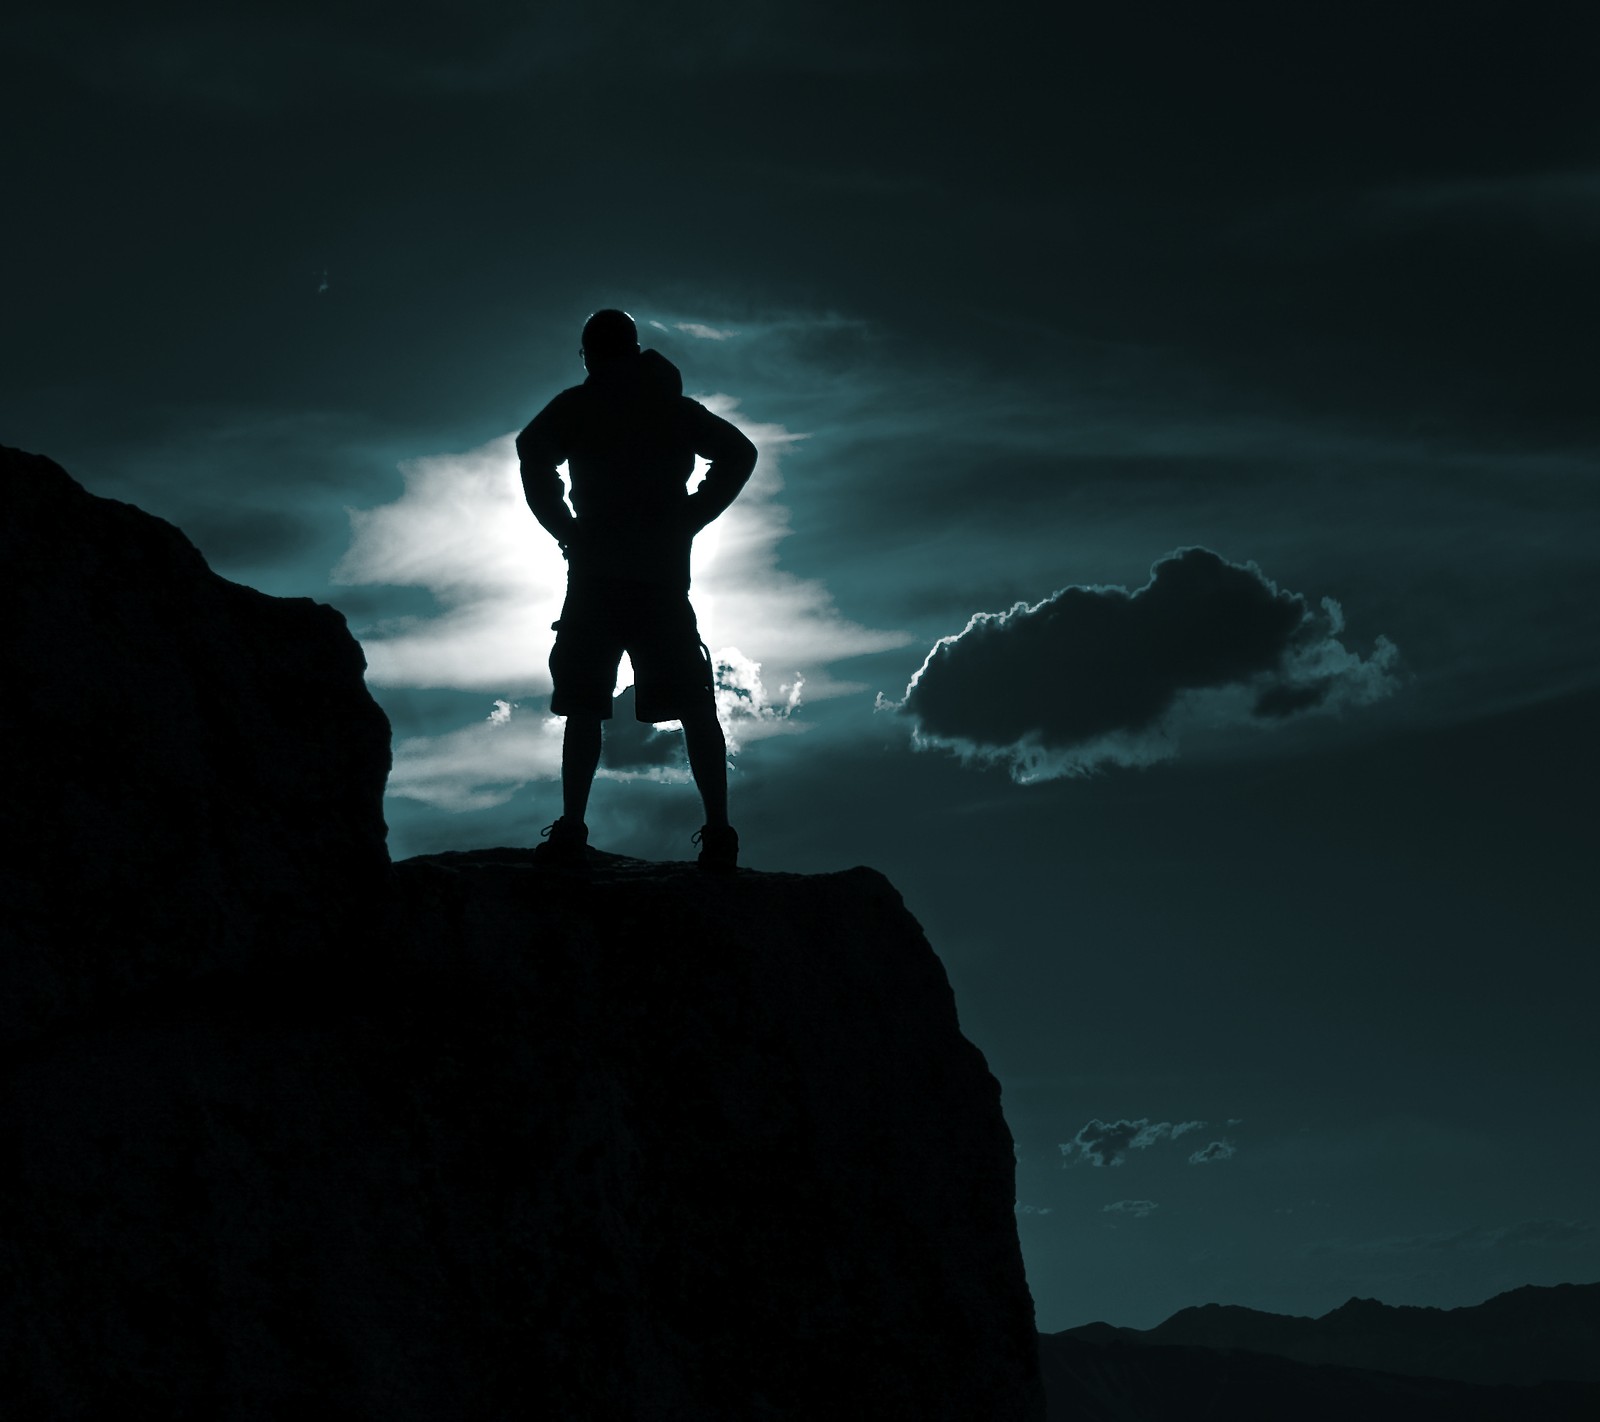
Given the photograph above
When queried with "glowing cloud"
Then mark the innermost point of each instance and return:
(1100, 675)
(462, 531)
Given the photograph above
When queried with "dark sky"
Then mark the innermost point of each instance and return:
(1218, 382)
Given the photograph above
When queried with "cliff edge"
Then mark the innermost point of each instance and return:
(455, 1137)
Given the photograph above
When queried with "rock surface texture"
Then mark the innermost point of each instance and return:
(460, 1137)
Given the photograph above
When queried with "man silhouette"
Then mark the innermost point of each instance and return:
(629, 438)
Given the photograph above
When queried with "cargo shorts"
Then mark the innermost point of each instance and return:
(655, 625)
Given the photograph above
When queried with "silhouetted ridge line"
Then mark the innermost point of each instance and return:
(1526, 1335)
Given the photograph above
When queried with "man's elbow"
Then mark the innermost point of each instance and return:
(743, 460)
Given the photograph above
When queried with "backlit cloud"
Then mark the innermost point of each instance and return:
(462, 531)
(1217, 1150)
(1100, 675)
(701, 332)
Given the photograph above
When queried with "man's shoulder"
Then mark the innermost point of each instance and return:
(557, 411)
(573, 397)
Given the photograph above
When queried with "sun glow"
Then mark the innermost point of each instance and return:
(462, 530)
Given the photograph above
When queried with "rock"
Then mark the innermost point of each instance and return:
(195, 769)
(1091, 1377)
(460, 1137)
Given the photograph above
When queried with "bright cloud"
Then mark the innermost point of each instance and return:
(704, 333)
(480, 765)
(462, 531)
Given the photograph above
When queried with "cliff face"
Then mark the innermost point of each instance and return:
(453, 1138)
(194, 770)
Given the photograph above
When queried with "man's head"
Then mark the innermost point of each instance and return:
(610, 340)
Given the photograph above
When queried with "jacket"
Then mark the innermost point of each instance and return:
(629, 438)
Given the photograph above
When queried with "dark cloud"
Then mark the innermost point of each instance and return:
(244, 536)
(1526, 1234)
(1100, 674)
(1108, 1142)
(1217, 1150)
(631, 744)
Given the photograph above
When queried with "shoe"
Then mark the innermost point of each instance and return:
(719, 849)
(564, 843)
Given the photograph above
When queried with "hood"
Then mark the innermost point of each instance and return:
(650, 376)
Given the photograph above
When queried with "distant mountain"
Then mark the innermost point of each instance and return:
(1092, 1375)
(1529, 1335)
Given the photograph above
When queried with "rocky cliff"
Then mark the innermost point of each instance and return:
(458, 1137)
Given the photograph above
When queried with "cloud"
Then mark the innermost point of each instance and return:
(272, 56)
(1099, 675)
(485, 763)
(462, 533)
(634, 745)
(1033, 1209)
(1526, 1234)
(701, 332)
(1108, 1142)
(1563, 204)
(1217, 1150)
(239, 536)
(462, 530)
(1139, 1209)
(480, 765)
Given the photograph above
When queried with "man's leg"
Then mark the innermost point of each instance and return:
(708, 762)
(580, 758)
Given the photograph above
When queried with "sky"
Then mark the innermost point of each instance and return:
(1170, 558)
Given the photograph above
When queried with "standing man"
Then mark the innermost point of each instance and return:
(629, 437)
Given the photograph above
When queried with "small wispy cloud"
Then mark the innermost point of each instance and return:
(703, 332)
(1217, 1150)
(1103, 1143)
(1022, 1209)
(1138, 1209)
(1525, 1234)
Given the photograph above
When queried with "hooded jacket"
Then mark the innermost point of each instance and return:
(629, 437)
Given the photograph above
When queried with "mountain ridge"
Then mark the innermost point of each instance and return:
(1523, 1336)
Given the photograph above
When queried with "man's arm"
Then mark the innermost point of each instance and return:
(540, 449)
(732, 458)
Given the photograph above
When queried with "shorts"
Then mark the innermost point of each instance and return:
(654, 625)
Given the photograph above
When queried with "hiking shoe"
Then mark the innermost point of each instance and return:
(719, 849)
(564, 843)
